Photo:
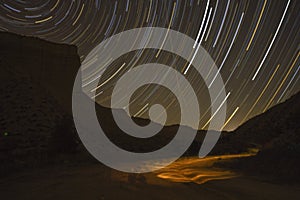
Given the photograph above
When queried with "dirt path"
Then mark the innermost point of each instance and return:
(96, 182)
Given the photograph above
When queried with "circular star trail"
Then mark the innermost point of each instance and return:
(255, 44)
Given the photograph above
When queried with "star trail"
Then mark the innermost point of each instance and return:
(255, 44)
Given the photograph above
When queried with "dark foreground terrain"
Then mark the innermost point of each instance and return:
(96, 182)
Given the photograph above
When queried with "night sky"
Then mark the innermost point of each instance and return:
(255, 44)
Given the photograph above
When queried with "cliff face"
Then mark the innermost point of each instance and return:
(35, 96)
(53, 66)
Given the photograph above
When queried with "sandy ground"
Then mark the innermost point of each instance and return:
(97, 182)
